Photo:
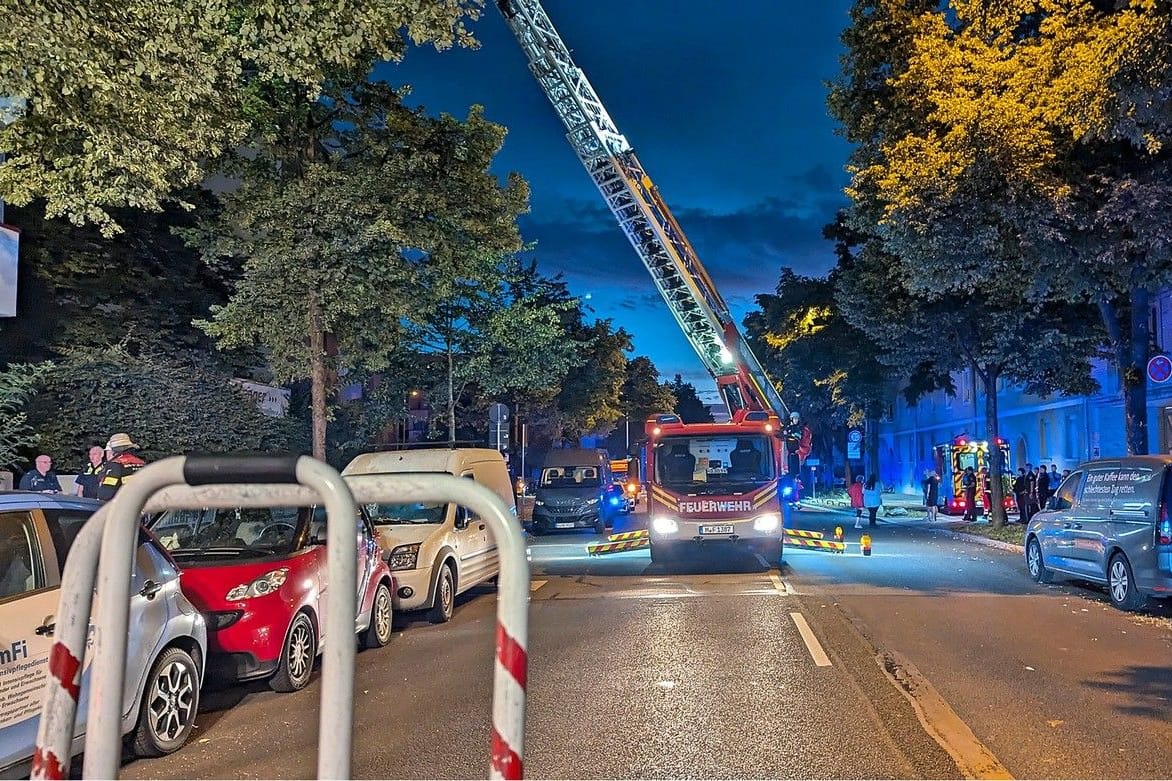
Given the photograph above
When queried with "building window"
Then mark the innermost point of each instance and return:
(1073, 443)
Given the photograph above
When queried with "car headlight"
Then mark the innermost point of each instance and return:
(664, 525)
(766, 523)
(539, 503)
(592, 500)
(404, 557)
(265, 584)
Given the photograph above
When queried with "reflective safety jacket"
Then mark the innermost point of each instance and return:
(117, 471)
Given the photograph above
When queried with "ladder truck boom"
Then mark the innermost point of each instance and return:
(642, 214)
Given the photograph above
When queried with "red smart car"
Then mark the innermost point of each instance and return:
(259, 578)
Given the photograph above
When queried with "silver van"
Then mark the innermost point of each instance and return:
(576, 491)
(1109, 522)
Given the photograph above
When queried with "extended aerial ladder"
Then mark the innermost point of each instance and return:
(644, 217)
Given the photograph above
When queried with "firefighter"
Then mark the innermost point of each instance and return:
(121, 463)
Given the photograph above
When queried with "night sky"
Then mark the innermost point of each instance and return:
(724, 102)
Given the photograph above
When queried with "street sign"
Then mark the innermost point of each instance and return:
(854, 441)
(498, 413)
(1159, 368)
(813, 462)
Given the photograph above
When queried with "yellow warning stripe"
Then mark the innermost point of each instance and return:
(616, 547)
(665, 498)
(635, 535)
(802, 542)
(804, 533)
(765, 496)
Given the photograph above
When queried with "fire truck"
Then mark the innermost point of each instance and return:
(704, 484)
(952, 458)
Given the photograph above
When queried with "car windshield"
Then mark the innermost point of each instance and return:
(412, 512)
(714, 464)
(570, 477)
(249, 531)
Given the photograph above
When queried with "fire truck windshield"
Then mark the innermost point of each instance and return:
(708, 464)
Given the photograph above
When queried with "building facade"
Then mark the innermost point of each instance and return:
(1061, 430)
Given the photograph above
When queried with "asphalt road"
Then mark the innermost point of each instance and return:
(931, 658)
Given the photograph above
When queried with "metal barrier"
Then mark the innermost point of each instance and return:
(233, 481)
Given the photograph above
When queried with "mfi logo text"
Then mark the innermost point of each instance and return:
(709, 506)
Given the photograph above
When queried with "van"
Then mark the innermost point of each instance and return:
(576, 491)
(436, 551)
(1110, 521)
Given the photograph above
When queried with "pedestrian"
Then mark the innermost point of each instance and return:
(1021, 493)
(41, 477)
(933, 494)
(1032, 486)
(86, 483)
(1065, 474)
(1055, 478)
(872, 499)
(121, 464)
(968, 484)
(855, 492)
(1043, 486)
(924, 485)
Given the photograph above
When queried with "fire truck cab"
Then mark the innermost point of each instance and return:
(714, 484)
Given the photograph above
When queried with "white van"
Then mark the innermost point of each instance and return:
(435, 551)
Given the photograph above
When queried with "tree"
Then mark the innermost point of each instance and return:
(168, 405)
(502, 332)
(589, 401)
(1045, 133)
(18, 383)
(129, 102)
(331, 221)
(688, 404)
(829, 369)
(641, 396)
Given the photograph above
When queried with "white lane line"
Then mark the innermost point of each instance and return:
(812, 645)
(778, 584)
(536, 584)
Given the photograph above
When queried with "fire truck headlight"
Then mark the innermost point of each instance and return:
(766, 523)
(664, 525)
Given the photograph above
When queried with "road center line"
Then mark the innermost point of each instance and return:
(812, 645)
(536, 584)
(778, 584)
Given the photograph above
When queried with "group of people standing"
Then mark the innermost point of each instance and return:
(1033, 486)
(108, 469)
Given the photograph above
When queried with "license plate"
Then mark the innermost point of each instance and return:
(563, 525)
(722, 529)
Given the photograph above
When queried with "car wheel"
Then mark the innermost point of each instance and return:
(445, 597)
(1037, 567)
(378, 634)
(170, 701)
(1121, 584)
(296, 665)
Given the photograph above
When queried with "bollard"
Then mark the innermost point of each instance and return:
(865, 542)
(838, 537)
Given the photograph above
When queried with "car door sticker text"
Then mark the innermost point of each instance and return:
(1115, 482)
(21, 683)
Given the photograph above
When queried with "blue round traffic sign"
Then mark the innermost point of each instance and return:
(1160, 368)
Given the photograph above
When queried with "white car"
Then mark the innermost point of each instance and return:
(435, 551)
(165, 655)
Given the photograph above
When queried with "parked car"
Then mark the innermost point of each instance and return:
(1110, 522)
(167, 644)
(576, 491)
(436, 550)
(259, 576)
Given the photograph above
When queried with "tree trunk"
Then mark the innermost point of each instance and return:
(451, 397)
(847, 477)
(317, 377)
(996, 513)
(1130, 333)
(871, 447)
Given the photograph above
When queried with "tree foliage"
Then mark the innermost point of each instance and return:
(688, 404)
(127, 102)
(18, 383)
(168, 405)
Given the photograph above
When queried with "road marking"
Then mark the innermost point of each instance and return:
(778, 584)
(812, 645)
(536, 584)
(973, 758)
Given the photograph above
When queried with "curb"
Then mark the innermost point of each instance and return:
(939, 529)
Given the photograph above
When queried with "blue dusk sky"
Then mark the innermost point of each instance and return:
(725, 104)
